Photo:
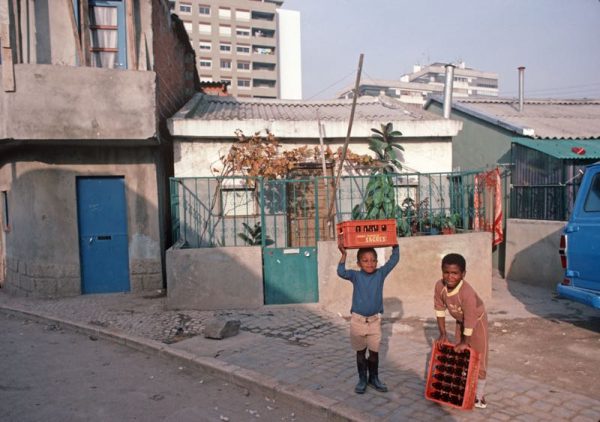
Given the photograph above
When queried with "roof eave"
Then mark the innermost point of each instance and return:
(197, 128)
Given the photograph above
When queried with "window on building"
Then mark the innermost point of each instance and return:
(206, 78)
(239, 201)
(204, 46)
(245, 66)
(185, 8)
(243, 83)
(4, 210)
(224, 13)
(242, 15)
(204, 9)
(189, 27)
(107, 34)
(242, 32)
(205, 63)
(204, 28)
(225, 64)
(243, 49)
(225, 30)
(225, 47)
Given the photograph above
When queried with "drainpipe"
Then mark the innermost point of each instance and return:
(521, 87)
(448, 90)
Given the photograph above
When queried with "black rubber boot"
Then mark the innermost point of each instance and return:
(373, 364)
(361, 364)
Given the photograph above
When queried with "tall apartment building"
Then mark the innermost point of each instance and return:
(252, 44)
(424, 80)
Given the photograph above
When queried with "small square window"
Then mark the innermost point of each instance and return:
(225, 48)
(243, 65)
(185, 8)
(243, 32)
(226, 64)
(243, 83)
(205, 63)
(204, 46)
(243, 49)
(4, 210)
(203, 9)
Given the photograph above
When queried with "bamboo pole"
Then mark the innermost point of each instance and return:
(322, 145)
(345, 148)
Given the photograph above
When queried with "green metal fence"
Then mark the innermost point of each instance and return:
(240, 211)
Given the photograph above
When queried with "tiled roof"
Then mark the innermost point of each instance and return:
(382, 109)
(540, 119)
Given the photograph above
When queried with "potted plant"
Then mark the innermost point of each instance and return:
(379, 201)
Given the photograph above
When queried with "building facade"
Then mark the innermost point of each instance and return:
(85, 156)
(425, 80)
(249, 43)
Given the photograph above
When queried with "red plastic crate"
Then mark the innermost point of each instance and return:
(367, 233)
(452, 377)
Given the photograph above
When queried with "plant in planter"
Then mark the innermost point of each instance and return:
(445, 223)
(379, 201)
(253, 235)
(450, 223)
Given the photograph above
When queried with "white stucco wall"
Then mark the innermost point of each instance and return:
(195, 158)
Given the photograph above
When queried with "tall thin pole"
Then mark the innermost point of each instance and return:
(345, 149)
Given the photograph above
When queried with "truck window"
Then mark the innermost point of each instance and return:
(592, 201)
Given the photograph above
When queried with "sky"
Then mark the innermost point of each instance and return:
(558, 42)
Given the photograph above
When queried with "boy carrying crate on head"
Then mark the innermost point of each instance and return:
(366, 310)
(453, 293)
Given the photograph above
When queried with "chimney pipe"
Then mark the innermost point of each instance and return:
(448, 90)
(521, 87)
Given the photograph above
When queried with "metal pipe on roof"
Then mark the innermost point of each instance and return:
(521, 87)
(448, 86)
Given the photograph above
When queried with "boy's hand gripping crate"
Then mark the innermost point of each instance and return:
(452, 377)
(356, 234)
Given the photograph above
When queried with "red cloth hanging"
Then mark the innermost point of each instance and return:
(488, 193)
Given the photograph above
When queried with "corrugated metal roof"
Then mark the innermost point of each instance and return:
(540, 119)
(573, 149)
(384, 109)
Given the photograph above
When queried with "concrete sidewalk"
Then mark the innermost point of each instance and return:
(302, 353)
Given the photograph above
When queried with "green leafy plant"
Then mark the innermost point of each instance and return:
(253, 235)
(379, 200)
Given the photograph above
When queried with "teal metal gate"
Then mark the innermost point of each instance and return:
(294, 218)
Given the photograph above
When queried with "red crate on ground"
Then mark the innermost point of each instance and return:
(452, 377)
(356, 234)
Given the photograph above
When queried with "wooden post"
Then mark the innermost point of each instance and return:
(322, 145)
(345, 148)
(143, 60)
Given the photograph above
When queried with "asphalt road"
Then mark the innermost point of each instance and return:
(51, 374)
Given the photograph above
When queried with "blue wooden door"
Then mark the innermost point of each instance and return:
(103, 243)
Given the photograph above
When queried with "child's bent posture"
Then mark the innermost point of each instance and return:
(453, 293)
(366, 310)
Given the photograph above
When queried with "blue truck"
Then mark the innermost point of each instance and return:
(580, 243)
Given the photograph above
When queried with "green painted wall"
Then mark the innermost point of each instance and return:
(481, 145)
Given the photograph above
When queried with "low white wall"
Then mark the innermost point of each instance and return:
(408, 290)
(214, 278)
(532, 252)
(230, 278)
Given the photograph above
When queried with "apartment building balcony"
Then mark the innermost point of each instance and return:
(262, 53)
(264, 91)
(78, 103)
